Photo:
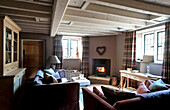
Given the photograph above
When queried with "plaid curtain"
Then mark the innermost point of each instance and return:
(129, 51)
(85, 56)
(166, 56)
(57, 50)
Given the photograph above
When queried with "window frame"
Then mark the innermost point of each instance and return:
(71, 38)
(145, 41)
(155, 32)
(157, 44)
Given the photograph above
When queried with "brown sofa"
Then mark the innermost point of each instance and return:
(54, 96)
(149, 101)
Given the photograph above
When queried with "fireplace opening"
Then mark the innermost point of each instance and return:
(101, 67)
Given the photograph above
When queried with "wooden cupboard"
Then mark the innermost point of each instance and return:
(11, 76)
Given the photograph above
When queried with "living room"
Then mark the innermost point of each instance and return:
(95, 43)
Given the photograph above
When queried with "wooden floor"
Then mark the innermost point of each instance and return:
(98, 86)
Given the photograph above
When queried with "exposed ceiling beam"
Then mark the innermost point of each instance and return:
(59, 7)
(23, 6)
(31, 31)
(28, 21)
(36, 2)
(96, 21)
(104, 17)
(85, 5)
(119, 12)
(23, 13)
(86, 30)
(33, 25)
(136, 6)
(74, 25)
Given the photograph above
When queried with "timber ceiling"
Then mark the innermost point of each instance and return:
(85, 17)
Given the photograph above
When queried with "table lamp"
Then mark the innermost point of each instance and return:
(53, 59)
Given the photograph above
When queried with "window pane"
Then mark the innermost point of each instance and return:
(149, 44)
(160, 45)
(73, 48)
(65, 47)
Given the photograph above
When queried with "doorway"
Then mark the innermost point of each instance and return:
(32, 57)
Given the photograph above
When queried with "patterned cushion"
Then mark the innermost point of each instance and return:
(158, 85)
(142, 89)
(40, 73)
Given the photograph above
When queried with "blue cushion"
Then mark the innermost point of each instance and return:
(49, 71)
(62, 73)
(40, 73)
(56, 75)
(158, 85)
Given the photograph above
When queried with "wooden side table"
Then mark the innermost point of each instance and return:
(141, 77)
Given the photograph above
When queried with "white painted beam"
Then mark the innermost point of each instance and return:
(104, 17)
(97, 21)
(92, 26)
(119, 12)
(59, 7)
(135, 6)
(23, 13)
(23, 6)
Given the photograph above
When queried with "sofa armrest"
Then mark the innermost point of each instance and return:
(94, 102)
(128, 104)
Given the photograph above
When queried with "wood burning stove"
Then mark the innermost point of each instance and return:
(101, 67)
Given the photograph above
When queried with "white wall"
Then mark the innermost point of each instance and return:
(114, 51)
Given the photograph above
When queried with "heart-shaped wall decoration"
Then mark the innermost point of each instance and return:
(101, 50)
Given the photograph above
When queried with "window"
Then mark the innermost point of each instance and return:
(151, 42)
(160, 45)
(154, 44)
(71, 47)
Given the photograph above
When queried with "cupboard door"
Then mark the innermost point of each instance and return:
(16, 82)
(15, 47)
(8, 44)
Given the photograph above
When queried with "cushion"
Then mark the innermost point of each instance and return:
(158, 85)
(49, 79)
(142, 89)
(148, 83)
(38, 80)
(62, 73)
(40, 73)
(114, 95)
(49, 71)
(97, 92)
(56, 75)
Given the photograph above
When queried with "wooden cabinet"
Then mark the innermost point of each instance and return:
(11, 76)
(9, 56)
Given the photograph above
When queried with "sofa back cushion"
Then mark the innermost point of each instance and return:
(114, 95)
(97, 92)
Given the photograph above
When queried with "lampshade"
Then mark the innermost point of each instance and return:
(53, 59)
(148, 58)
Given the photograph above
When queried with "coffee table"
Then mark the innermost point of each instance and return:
(82, 81)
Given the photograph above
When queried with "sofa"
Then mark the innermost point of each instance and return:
(51, 96)
(158, 100)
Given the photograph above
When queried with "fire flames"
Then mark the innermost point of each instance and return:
(101, 69)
